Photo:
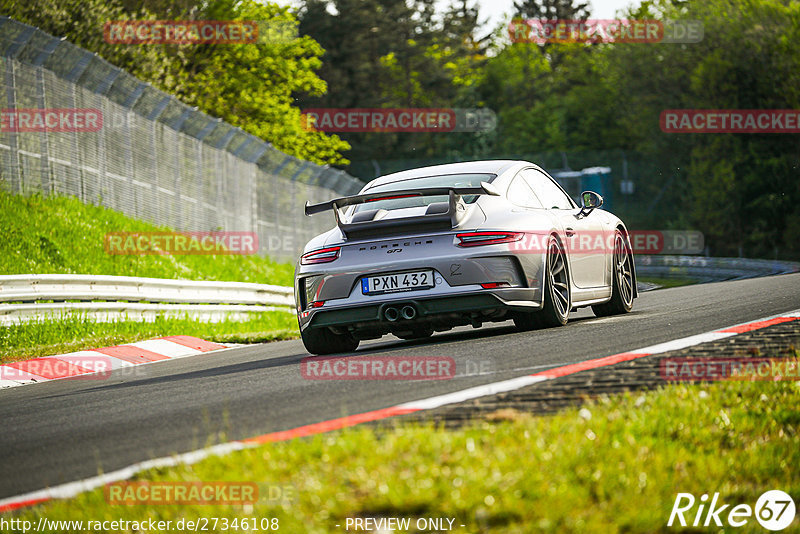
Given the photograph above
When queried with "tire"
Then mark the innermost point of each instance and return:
(557, 294)
(421, 333)
(323, 341)
(622, 288)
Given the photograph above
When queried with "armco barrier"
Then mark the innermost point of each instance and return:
(106, 298)
(704, 269)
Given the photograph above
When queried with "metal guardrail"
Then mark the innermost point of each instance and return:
(108, 298)
(704, 269)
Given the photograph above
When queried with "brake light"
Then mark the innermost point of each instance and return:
(318, 304)
(475, 239)
(325, 255)
(392, 197)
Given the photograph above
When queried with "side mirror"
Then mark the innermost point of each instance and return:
(589, 201)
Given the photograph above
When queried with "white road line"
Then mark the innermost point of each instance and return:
(71, 489)
(683, 343)
(473, 393)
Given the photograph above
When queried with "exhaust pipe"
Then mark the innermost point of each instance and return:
(391, 314)
(408, 312)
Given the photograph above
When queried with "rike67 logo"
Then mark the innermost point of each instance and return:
(774, 510)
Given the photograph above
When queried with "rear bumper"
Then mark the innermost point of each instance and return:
(437, 312)
(457, 269)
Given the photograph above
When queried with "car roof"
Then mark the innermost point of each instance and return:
(494, 166)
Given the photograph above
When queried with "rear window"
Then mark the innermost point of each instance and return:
(447, 180)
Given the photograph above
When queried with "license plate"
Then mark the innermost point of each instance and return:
(397, 282)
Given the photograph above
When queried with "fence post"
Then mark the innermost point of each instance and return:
(13, 143)
(44, 145)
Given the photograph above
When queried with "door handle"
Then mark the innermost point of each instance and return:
(570, 232)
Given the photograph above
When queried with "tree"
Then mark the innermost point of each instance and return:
(739, 189)
(385, 53)
(81, 22)
(253, 86)
(552, 9)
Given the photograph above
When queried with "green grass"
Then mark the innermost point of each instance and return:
(613, 466)
(73, 333)
(668, 282)
(62, 235)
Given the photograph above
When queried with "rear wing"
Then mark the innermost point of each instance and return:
(435, 216)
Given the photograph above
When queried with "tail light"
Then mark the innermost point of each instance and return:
(476, 239)
(324, 255)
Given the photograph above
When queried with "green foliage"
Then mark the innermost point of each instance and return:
(72, 333)
(739, 189)
(55, 235)
(382, 53)
(614, 466)
(82, 21)
(253, 86)
(63, 235)
(552, 9)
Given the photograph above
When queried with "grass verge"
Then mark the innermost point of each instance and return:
(74, 332)
(62, 235)
(614, 465)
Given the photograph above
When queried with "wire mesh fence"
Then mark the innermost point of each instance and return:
(152, 157)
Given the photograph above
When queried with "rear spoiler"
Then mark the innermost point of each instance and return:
(389, 226)
(485, 189)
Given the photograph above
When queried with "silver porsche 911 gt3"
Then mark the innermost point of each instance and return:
(428, 249)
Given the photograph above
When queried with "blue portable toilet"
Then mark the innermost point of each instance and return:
(598, 179)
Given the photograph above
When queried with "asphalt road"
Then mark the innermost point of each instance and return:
(64, 430)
